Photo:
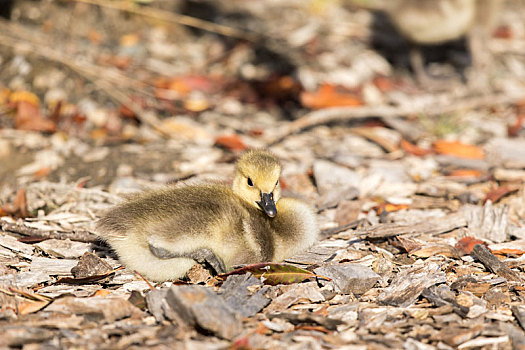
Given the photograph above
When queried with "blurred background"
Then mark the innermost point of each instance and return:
(226, 75)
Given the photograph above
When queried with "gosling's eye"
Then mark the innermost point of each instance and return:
(250, 182)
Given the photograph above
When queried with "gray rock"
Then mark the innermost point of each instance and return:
(349, 278)
(201, 307)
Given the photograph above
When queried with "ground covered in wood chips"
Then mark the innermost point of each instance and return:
(419, 189)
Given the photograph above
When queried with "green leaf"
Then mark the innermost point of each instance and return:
(275, 273)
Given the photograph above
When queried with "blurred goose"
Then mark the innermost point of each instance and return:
(431, 22)
(162, 234)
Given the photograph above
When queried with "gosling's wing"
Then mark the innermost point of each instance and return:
(165, 215)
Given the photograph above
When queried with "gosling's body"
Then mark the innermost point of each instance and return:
(227, 222)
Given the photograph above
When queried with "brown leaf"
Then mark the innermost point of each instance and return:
(28, 116)
(29, 307)
(231, 142)
(409, 244)
(466, 173)
(410, 148)
(466, 244)
(458, 149)
(19, 207)
(496, 194)
(275, 273)
(389, 207)
(328, 96)
(508, 251)
(436, 249)
(514, 129)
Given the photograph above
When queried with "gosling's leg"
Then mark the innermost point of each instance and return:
(202, 256)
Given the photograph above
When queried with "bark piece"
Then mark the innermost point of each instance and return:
(349, 278)
(52, 267)
(96, 308)
(90, 265)
(235, 292)
(488, 222)
(309, 318)
(202, 308)
(506, 152)
(64, 248)
(431, 226)
(16, 336)
(409, 284)
(492, 263)
(308, 291)
(155, 300)
(519, 313)
(329, 176)
(455, 335)
(442, 295)
(14, 245)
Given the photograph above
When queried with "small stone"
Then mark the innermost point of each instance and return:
(349, 278)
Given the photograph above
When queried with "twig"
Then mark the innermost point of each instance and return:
(335, 114)
(79, 236)
(176, 18)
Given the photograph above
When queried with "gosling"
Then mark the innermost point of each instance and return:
(162, 234)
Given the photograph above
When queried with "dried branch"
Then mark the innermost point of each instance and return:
(431, 107)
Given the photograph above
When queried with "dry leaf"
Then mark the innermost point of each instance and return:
(436, 249)
(466, 244)
(28, 307)
(410, 148)
(465, 173)
(19, 206)
(101, 293)
(231, 142)
(408, 244)
(508, 251)
(28, 116)
(328, 96)
(458, 149)
(274, 273)
(496, 194)
(389, 207)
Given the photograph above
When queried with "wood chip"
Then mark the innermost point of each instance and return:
(492, 263)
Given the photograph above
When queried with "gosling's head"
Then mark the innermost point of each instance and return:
(257, 180)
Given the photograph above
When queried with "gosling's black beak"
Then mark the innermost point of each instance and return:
(267, 204)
